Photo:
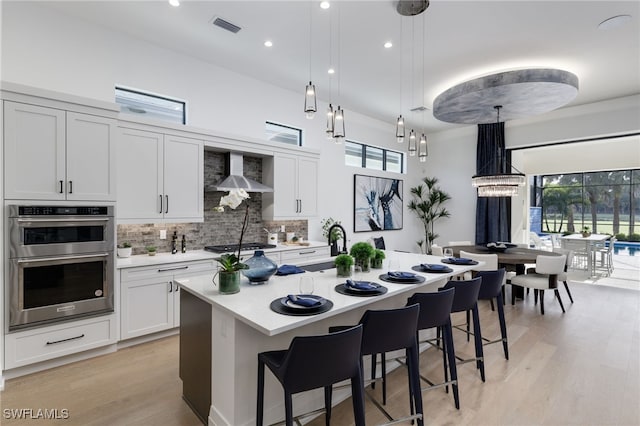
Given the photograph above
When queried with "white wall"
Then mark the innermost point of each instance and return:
(43, 48)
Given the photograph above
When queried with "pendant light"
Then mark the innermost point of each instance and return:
(422, 150)
(310, 104)
(400, 120)
(330, 111)
(338, 113)
(412, 144)
(499, 184)
(400, 129)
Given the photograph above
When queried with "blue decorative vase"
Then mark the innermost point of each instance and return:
(261, 268)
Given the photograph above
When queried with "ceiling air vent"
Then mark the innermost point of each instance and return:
(226, 25)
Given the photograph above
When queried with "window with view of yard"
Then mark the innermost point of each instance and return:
(608, 202)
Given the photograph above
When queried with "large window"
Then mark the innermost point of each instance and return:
(607, 202)
(283, 134)
(151, 106)
(371, 157)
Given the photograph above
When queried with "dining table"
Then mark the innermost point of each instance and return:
(585, 245)
(511, 258)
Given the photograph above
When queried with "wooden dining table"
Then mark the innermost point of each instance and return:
(512, 259)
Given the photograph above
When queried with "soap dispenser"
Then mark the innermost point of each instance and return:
(174, 243)
(184, 244)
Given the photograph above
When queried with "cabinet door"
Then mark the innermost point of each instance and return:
(34, 147)
(308, 187)
(139, 174)
(183, 178)
(285, 196)
(147, 306)
(90, 158)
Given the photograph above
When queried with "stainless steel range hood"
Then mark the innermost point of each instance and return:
(235, 179)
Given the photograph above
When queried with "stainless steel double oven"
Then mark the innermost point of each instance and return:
(61, 263)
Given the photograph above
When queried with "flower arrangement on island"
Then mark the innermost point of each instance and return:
(232, 262)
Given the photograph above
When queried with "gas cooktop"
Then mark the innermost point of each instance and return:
(226, 248)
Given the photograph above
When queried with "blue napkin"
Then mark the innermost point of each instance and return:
(460, 260)
(402, 275)
(288, 270)
(434, 266)
(361, 285)
(303, 301)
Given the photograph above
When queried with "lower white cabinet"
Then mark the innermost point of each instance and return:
(305, 255)
(150, 298)
(44, 343)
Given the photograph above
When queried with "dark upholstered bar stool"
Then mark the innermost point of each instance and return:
(391, 330)
(435, 311)
(313, 362)
(490, 289)
(466, 299)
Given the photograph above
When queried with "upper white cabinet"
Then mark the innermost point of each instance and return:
(160, 177)
(53, 154)
(294, 179)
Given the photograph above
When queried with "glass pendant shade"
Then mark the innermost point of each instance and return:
(329, 129)
(423, 152)
(400, 129)
(412, 144)
(310, 105)
(338, 124)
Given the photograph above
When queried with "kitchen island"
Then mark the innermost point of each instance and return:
(221, 336)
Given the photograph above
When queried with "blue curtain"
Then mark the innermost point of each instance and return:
(493, 215)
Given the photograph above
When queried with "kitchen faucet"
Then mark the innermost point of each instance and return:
(334, 250)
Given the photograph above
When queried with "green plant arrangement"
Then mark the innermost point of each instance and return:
(427, 204)
(343, 263)
(376, 260)
(586, 231)
(362, 252)
(125, 245)
(151, 250)
(124, 249)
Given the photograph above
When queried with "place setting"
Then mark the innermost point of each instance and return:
(432, 268)
(396, 276)
(451, 260)
(303, 304)
(500, 246)
(360, 288)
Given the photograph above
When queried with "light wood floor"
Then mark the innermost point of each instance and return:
(579, 368)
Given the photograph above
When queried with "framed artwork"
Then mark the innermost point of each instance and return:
(377, 203)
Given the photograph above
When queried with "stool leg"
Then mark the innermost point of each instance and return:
(541, 302)
(374, 358)
(357, 395)
(451, 355)
(503, 326)
(468, 325)
(288, 408)
(328, 390)
(478, 340)
(260, 407)
(414, 380)
(444, 357)
(383, 368)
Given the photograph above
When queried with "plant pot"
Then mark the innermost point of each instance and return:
(343, 271)
(363, 263)
(376, 263)
(586, 234)
(152, 253)
(228, 282)
(124, 252)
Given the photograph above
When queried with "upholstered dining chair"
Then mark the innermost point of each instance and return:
(437, 251)
(544, 278)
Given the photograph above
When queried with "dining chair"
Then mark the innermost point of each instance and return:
(563, 276)
(313, 362)
(605, 262)
(544, 277)
(466, 299)
(437, 251)
(386, 331)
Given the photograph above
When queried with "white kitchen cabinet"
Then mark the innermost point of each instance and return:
(294, 179)
(305, 255)
(160, 177)
(150, 298)
(53, 154)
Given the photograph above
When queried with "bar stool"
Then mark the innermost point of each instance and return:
(390, 330)
(435, 311)
(313, 362)
(466, 299)
(491, 288)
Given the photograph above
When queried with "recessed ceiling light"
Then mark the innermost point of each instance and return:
(614, 22)
(174, 3)
(268, 43)
(388, 45)
(325, 4)
(331, 71)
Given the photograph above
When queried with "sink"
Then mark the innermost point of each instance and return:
(314, 267)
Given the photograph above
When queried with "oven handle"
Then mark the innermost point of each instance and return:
(49, 259)
(74, 219)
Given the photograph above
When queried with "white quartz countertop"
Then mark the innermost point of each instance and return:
(194, 255)
(251, 304)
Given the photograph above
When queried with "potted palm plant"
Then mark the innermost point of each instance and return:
(376, 260)
(427, 204)
(362, 253)
(343, 263)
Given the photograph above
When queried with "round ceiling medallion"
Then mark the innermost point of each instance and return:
(522, 93)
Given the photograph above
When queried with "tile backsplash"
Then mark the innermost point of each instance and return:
(217, 228)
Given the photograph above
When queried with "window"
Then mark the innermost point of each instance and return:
(371, 157)
(283, 134)
(151, 106)
(607, 202)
